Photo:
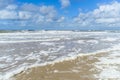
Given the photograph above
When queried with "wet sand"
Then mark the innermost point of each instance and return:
(81, 68)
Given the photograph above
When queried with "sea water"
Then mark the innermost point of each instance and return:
(22, 50)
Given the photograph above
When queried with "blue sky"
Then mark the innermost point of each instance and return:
(60, 14)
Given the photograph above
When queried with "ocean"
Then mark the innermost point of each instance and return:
(60, 55)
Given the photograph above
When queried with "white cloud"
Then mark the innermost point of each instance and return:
(104, 15)
(28, 15)
(49, 12)
(47, 9)
(4, 3)
(61, 19)
(40, 18)
(24, 15)
(10, 12)
(11, 7)
(6, 14)
(65, 3)
(29, 7)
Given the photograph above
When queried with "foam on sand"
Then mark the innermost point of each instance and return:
(76, 62)
(45, 49)
(82, 67)
(24, 68)
(103, 61)
(109, 65)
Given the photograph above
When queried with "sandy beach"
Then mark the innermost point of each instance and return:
(63, 56)
(59, 40)
(81, 68)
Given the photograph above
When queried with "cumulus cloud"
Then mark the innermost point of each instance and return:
(4, 3)
(12, 12)
(65, 3)
(29, 7)
(11, 7)
(28, 15)
(24, 15)
(49, 12)
(61, 19)
(104, 15)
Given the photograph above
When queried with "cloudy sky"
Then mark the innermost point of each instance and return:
(60, 14)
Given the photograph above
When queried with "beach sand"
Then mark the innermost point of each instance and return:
(81, 68)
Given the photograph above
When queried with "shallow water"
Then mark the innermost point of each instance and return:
(20, 51)
(88, 67)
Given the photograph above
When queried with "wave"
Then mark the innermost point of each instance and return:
(50, 48)
(24, 68)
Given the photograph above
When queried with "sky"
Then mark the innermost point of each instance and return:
(59, 14)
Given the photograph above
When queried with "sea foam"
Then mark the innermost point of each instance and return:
(33, 49)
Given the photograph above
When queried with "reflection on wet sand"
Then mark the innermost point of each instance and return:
(81, 68)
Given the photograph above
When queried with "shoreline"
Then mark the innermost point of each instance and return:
(91, 41)
(62, 68)
(23, 69)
